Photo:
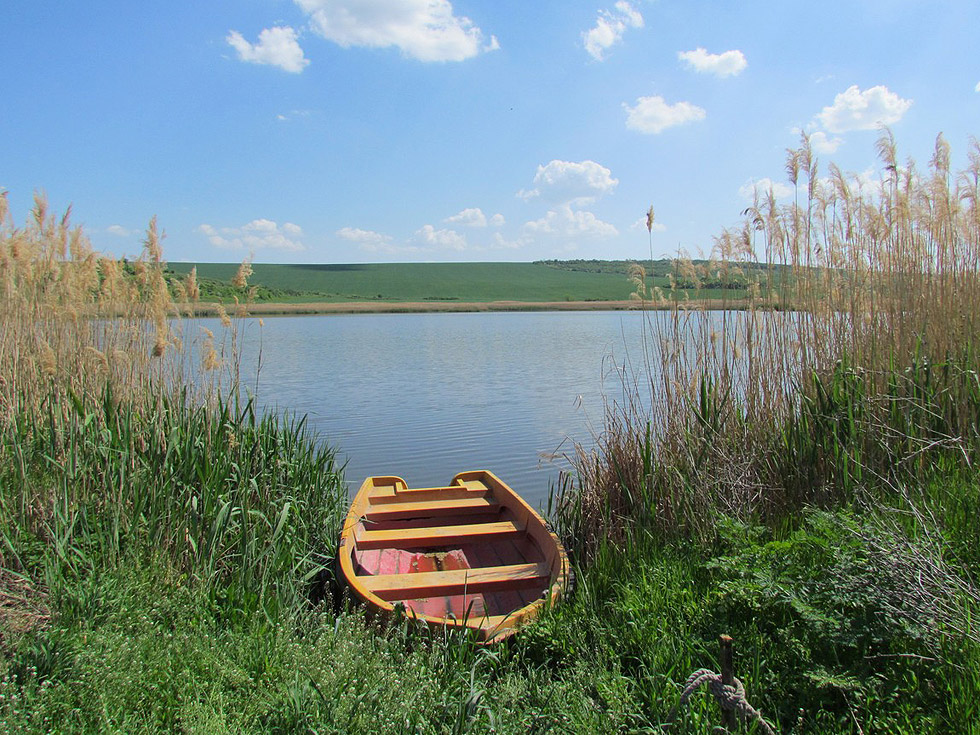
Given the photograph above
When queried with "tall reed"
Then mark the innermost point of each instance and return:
(853, 359)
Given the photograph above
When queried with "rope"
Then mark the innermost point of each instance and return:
(731, 698)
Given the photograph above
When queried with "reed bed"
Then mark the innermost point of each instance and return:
(851, 366)
(809, 460)
(121, 442)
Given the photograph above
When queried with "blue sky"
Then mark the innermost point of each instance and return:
(473, 130)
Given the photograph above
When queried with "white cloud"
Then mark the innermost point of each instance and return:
(119, 231)
(440, 239)
(367, 239)
(497, 220)
(977, 88)
(654, 114)
(259, 234)
(566, 222)
(822, 143)
(857, 110)
(780, 189)
(570, 181)
(276, 47)
(473, 217)
(499, 242)
(610, 27)
(426, 30)
(723, 65)
(293, 115)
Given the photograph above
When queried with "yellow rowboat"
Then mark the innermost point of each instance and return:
(469, 555)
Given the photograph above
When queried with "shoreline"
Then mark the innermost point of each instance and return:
(421, 307)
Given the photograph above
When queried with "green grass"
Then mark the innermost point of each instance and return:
(185, 595)
(465, 282)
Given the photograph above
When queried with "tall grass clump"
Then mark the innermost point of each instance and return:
(121, 444)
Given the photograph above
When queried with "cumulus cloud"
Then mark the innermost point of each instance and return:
(723, 65)
(276, 47)
(570, 181)
(472, 217)
(426, 30)
(566, 222)
(259, 234)
(610, 27)
(977, 88)
(429, 236)
(499, 242)
(367, 239)
(118, 231)
(750, 188)
(867, 110)
(822, 143)
(653, 115)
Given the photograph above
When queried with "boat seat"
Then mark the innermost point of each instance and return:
(435, 536)
(457, 581)
(424, 508)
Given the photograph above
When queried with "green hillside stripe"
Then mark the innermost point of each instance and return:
(466, 282)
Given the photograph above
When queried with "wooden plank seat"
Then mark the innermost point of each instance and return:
(387, 495)
(432, 508)
(435, 536)
(455, 581)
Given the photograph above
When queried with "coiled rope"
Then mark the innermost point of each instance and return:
(730, 697)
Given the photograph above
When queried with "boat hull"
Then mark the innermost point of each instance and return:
(472, 554)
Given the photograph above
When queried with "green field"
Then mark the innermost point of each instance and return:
(464, 282)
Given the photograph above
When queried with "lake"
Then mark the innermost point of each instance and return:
(425, 396)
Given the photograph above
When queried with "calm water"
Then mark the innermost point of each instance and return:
(425, 396)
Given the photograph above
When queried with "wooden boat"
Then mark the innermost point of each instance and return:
(469, 555)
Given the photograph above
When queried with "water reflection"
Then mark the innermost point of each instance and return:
(426, 396)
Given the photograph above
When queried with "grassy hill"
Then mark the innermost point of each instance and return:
(466, 282)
